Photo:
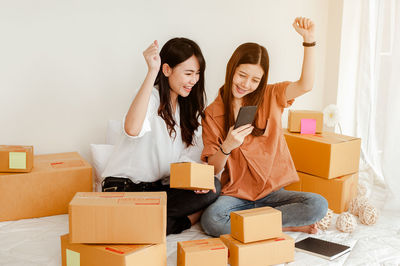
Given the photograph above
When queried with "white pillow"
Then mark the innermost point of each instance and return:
(100, 155)
(114, 131)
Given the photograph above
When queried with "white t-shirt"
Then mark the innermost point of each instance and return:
(147, 157)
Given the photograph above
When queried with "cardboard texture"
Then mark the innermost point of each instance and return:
(338, 191)
(295, 116)
(326, 155)
(16, 159)
(47, 189)
(118, 217)
(261, 253)
(210, 252)
(192, 176)
(256, 224)
(115, 255)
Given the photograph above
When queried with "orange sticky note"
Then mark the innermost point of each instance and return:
(308, 126)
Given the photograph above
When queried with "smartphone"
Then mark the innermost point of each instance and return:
(246, 115)
(322, 248)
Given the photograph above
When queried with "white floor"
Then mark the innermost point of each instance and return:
(36, 242)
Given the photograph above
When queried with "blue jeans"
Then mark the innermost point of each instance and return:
(298, 209)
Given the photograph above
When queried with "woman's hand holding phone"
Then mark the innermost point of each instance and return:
(236, 137)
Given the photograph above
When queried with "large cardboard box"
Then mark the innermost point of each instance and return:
(16, 159)
(47, 189)
(118, 217)
(327, 155)
(261, 253)
(295, 116)
(210, 252)
(112, 255)
(192, 176)
(256, 224)
(338, 191)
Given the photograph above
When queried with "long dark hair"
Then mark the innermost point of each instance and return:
(174, 52)
(247, 53)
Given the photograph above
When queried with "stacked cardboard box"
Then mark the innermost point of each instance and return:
(327, 164)
(210, 252)
(115, 255)
(256, 238)
(99, 220)
(47, 189)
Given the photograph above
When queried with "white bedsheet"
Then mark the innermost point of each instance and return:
(36, 242)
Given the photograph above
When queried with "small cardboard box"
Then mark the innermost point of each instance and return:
(295, 116)
(118, 217)
(210, 252)
(192, 176)
(115, 255)
(326, 155)
(338, 191)
(267, 252)
(47, 189)
(16, 159)
(256, 224)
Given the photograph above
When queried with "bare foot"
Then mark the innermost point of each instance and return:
(194, 217)
(310, 229)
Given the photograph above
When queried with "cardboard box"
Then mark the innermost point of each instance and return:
(296, 186)
(210, 252)
(16, 159)
(338, 191)
(295, 116)
(256, 224)
(47, 189)
(115, 255)
(327, 155)
(261, 253)
(192, 176)
(118, 217)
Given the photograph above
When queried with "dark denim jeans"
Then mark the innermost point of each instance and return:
(298, 209)
(180, 203)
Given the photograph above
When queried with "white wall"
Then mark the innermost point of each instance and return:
(67, 67)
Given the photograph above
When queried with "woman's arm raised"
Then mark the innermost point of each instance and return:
(137, 111)
(305, 27)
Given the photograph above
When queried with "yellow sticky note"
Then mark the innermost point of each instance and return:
(73, 258)
(17, 160)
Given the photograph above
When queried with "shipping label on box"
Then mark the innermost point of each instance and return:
(118, 217)
(267, 252)
(192, 176)
(47, 189)
(115, 255)
(295, 120)
(16, 159)
(256, 224)
(210, 252)
(326, 155)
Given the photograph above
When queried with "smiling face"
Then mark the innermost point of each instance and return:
(183, 76)
(246, 79)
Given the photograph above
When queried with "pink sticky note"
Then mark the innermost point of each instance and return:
(308, 126)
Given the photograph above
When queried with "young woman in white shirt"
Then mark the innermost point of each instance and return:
(162, 126)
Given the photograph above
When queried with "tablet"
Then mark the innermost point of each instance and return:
(322, 248)
(245, 116)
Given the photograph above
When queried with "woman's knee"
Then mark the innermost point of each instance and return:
(212, 196)
(318, 205)
(214, 222)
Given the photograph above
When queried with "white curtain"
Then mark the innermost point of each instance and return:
(369, 87)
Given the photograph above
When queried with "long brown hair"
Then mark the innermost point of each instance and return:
(247, 53)
(174, 52)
